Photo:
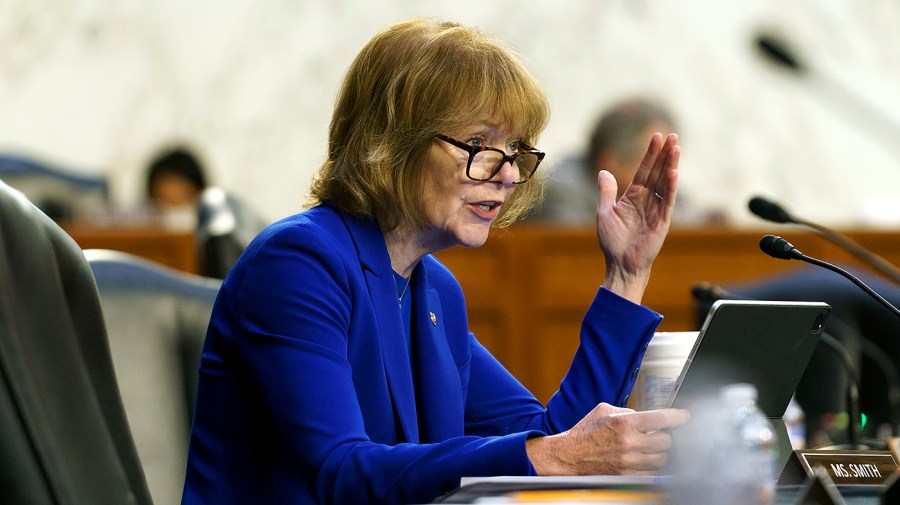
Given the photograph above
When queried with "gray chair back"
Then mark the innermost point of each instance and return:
(156, 318)
(64, 438)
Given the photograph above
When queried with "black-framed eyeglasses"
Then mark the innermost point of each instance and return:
(485, 162)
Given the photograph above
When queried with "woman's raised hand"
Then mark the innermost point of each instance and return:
(631, 230)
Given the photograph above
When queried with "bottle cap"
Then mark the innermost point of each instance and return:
(741, 392)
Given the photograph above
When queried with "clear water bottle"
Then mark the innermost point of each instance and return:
(726, 454)
(749, 438)
(795, 422)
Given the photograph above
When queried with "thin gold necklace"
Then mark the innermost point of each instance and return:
(400, 298)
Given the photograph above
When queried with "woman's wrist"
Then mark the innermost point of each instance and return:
(630, 286)
(543, 453)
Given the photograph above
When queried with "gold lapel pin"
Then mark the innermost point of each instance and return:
(433, 318)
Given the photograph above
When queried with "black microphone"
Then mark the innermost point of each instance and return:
(706, 292)
(780, 248)
(769, 210)
(779, 53)
(774, 212)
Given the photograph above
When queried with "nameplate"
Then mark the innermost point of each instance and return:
(846, 468)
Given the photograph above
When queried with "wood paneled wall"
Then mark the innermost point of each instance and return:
(529, 286)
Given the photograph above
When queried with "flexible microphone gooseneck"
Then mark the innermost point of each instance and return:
(707, 292)
(771, 211)
(780, 248)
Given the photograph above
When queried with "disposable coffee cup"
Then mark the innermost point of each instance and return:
(663, 361)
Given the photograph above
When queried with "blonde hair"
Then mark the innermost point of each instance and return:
(411, 81)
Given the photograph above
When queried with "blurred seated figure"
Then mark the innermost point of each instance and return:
(175, 179)
(60, 194)
(869, 332)
(617, 144)
(178, 189)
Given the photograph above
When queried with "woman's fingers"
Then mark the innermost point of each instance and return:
(648, 161)
(655, 420)
(608, 188)
(658, 172)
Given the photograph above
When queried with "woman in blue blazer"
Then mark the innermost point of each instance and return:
(338, 365)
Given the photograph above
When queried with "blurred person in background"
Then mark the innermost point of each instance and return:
(181, 198)
(175, 179)
(616, 144)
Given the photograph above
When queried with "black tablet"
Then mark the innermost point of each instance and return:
(764, 343)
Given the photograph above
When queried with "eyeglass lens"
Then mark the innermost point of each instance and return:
(487, 163)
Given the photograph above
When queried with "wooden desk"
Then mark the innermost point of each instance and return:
(175, 249)
(528, 287)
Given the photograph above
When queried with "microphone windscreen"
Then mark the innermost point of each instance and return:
(769, 210)
(778, 52)
(777, 247)
(702, 291)
(707, 292)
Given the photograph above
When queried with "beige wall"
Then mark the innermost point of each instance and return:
(98, 85)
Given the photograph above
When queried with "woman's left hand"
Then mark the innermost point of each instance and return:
(631, 230)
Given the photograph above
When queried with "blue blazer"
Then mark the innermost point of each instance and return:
(309, 393)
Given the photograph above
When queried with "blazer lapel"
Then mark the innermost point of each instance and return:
(379, 276)
(438, 391)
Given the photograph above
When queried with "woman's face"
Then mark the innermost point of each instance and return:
(458, 210)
